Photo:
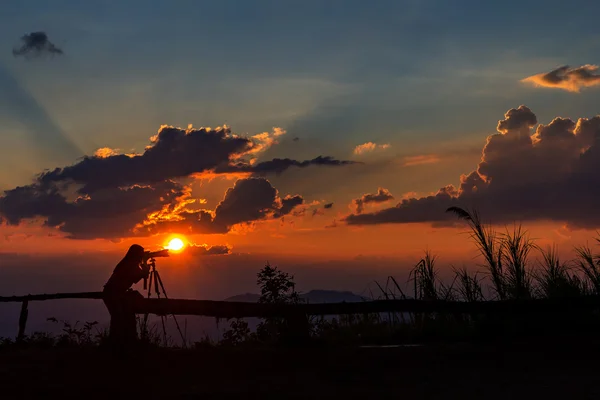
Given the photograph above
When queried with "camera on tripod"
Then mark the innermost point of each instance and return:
(153, 254)
(153, 281)
(150, 266)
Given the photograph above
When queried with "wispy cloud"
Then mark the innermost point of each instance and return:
(419, 160)
(566, 78)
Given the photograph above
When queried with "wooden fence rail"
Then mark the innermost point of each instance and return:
(24, 300)
(227, 309)
(54, 296)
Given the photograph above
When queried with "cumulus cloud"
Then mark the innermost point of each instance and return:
(36, 44)
(145, 210)
(369, 147)
(381, 196)
(566, 78)
(110, 213)
(111, 195)
(546, 173)
(249, 200)
(176, 153)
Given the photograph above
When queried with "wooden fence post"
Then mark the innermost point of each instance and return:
(23, 320)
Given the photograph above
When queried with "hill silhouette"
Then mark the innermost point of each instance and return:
(313, 296)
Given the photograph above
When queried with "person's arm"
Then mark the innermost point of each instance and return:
(141, 272)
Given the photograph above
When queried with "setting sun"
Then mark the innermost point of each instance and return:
(175, 244)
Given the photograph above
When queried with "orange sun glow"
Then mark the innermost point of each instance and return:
(175, 244)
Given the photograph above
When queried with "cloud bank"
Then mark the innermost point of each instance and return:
(566, 78)
(178, 153)
(111, 195)
(547, 173)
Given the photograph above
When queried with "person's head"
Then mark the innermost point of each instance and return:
(135, 252)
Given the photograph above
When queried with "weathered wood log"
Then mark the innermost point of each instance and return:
(54, 296)
(224, 309)
(227, 309)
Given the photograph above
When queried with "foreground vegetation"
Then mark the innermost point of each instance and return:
(513, 268)
(431, 372)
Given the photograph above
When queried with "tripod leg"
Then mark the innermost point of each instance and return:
(150, 282)
(159, 280)
(156, 281)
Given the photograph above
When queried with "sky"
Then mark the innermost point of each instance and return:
(298, 132)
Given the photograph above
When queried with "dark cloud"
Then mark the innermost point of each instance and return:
(550, 173)
(36, 44)
(144, 210)
(566, 78)
(279, 165)
(111, 195)
(111, 213)
(289, 203)
(177, 153)
(381, 196)
(206, 250)
(249, 200)
(174, 153)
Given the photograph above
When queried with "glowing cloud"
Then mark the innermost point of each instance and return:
(565, 78)
(105, 152)
(369, 147)
(546, 173)
(113, 196)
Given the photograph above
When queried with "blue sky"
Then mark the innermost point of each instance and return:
(424, 76)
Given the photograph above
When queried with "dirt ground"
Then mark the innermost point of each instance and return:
(540, 371)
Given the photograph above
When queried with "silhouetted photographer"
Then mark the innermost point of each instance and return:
(118, 296)
(117, 291)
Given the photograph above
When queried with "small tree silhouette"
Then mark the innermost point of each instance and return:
(276, 287)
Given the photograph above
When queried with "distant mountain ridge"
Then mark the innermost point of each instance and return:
(313, 296)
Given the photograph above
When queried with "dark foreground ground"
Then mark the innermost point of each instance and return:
(549, 370)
